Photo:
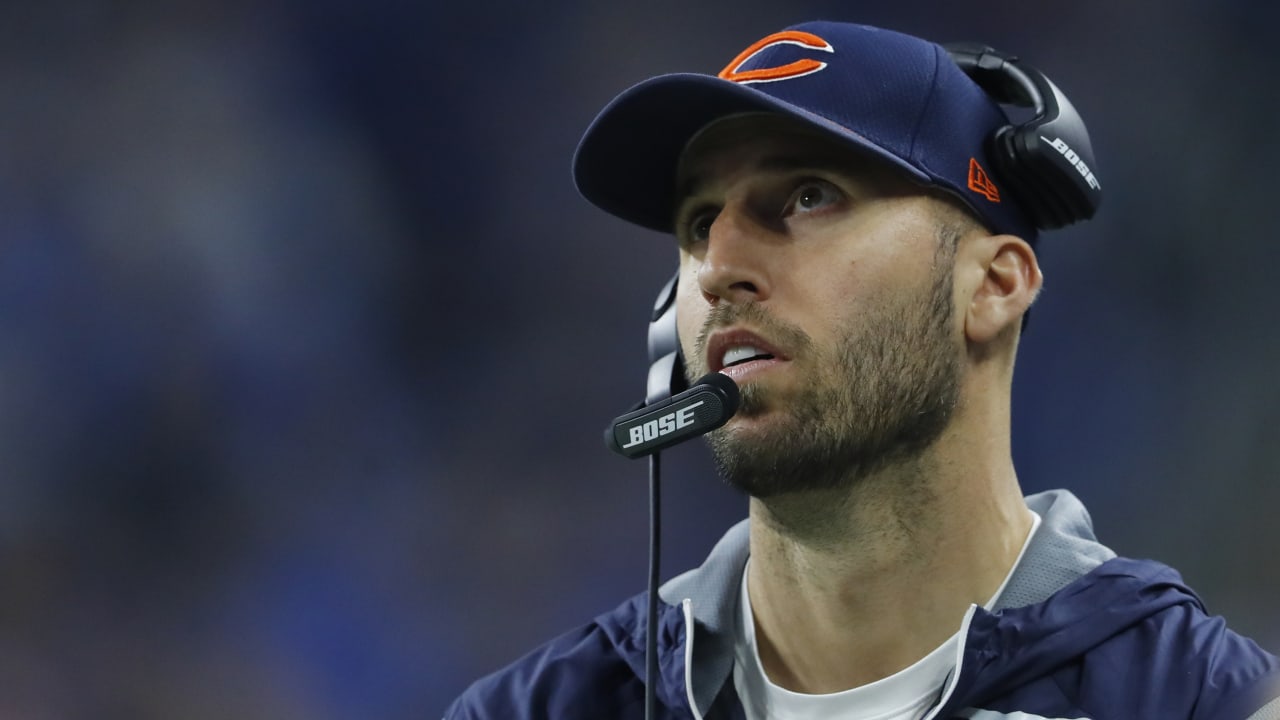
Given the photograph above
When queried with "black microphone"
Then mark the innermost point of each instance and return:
(705, 406)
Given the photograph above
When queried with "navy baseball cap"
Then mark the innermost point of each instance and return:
(898, 97)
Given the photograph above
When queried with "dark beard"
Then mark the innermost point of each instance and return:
(887, 393)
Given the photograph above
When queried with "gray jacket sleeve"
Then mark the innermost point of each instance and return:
(1270, 711)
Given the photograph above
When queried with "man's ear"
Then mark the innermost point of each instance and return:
(1009, 285)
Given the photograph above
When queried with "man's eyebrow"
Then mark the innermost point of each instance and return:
(692, 184)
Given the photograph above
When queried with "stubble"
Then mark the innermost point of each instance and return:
(884, 393)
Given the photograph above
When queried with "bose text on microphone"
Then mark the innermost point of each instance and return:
(705, 406)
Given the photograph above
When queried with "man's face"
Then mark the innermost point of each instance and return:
(821, 282)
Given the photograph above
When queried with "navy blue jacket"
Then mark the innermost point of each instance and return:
(1076, 633)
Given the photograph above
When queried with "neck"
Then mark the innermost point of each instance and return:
(850, 586)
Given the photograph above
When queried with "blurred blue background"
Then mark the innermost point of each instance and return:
(308, 341)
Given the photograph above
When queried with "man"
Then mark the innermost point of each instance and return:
(852, 258)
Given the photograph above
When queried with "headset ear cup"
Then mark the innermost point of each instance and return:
(666, 361)
(1046, 162)
(1059, 156)
(663, 376)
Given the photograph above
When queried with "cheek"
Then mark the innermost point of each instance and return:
(839, 293)
(690, 315)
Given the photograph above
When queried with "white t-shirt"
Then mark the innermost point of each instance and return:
(905, 695)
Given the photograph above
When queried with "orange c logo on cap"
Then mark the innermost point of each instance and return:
(798, 68)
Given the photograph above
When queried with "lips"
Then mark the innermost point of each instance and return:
(736, 348)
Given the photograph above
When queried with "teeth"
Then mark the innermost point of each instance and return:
(739, 353)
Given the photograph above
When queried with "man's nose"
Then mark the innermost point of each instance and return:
(733, 267)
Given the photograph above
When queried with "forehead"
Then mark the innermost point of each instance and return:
(775, 143)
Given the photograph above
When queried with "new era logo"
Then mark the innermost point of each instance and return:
(980, 182)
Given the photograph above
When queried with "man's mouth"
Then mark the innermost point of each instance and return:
(739, 351)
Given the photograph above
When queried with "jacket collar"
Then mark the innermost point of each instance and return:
(1063, 549)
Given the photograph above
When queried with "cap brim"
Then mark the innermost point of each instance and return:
(626, 161)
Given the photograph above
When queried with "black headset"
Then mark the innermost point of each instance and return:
(1046, 162)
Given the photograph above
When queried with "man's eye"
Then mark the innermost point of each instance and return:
(699, 226)
(812, 195)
